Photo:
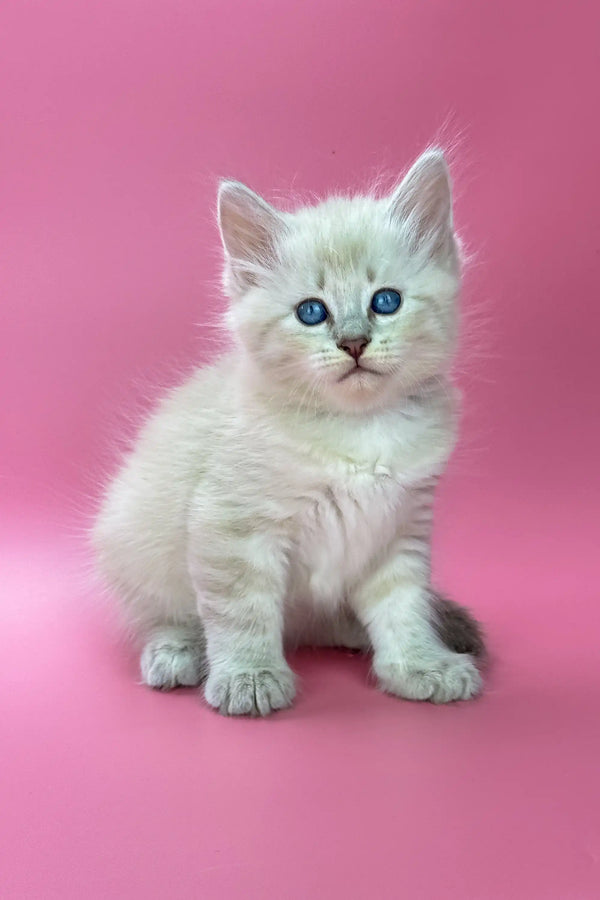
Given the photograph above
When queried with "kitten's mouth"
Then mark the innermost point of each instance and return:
(357, 371)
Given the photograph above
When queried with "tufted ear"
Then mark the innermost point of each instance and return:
(250, 229)
(422, 205)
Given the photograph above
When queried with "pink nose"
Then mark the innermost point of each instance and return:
(354, 347)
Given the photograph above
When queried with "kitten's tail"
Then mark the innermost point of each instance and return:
(457, 627)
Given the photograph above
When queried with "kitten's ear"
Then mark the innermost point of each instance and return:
(422, 206)
(249, 229)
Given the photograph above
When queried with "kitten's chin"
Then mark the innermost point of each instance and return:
(361, 390)
(360, 376)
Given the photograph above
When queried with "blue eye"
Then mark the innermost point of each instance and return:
(386, 301)
(312, 312)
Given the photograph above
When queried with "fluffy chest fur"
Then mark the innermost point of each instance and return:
(354, 492)
(343, 527)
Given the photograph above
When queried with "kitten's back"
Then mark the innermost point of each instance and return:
(140, 535)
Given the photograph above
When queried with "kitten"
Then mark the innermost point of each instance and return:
(284, 495)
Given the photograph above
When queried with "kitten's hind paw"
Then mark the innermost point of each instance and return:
(173, 657)
(451, 676)
(254, 692)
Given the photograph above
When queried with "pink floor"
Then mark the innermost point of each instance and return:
(117, 119)
(112, 790)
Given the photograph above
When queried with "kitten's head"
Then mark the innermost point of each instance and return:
(349, 304)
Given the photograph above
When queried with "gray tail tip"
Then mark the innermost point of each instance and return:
(457, 627)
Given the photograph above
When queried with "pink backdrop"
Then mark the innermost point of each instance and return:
(117, 119)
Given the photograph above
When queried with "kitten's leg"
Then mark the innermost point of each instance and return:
(174, 655)
(409, 657)
(240, 600)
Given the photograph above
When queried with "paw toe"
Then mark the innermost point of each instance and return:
(255, 693)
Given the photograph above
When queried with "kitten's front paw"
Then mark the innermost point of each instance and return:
(255, 692)
(171, 658)
(441, 679)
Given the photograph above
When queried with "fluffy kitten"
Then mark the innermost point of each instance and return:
(284, 495)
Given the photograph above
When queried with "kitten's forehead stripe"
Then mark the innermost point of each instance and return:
(342, 255)
(341, 235)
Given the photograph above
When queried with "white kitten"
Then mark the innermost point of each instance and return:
(284, 495)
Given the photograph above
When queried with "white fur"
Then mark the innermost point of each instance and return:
(268, 501)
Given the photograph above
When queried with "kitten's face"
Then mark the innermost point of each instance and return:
(348, 305)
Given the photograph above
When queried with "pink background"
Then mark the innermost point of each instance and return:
(117, 119)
